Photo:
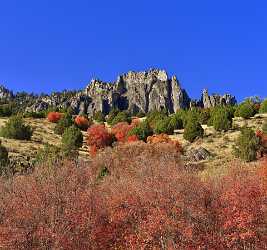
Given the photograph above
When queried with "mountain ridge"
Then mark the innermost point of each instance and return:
(135, 91)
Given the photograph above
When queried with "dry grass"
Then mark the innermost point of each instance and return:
(43, 133)
(218, 144)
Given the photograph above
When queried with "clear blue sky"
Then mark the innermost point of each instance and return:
(52, 45)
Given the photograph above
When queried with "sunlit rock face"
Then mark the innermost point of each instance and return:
(134, 91)
(208, 101)
(138, 91)
(5, 94)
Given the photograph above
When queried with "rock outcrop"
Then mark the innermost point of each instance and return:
(197, 154)
(137, 91)
(133, 91)
(5, 94)
(208, 101)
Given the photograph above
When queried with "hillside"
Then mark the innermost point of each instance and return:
(218, 144)
(139, 176)
(23, 152)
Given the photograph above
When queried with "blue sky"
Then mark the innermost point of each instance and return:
(53, 45)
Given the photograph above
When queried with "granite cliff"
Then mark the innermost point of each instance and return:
(133, 91)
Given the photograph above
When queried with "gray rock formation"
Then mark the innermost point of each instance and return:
(133, 91)
(5, 94)
(100, 96)
(208, 101)
(179, 97)
(137, 91)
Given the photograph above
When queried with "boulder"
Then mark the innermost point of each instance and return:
(197, 154)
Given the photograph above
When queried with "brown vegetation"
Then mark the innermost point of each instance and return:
(145, 200)
(163, 138)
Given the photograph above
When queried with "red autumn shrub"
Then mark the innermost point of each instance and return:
(259, 133)
(263, 142)
(132, 138)
(54, 116)
(82, 122)
(151, 202)
(121, 130)
(98, 137)
(49, 209)
(240, 211)
(145, 200)
(164, 138)
(262, 172)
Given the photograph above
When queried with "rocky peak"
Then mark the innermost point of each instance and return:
(208, 101)
(133, 91)
(179, 97)
(5, 93)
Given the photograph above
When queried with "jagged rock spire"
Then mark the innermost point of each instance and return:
(132, 91)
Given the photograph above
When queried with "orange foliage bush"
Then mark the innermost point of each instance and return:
(54, 116)
(98, 137)
(82, 122)
(121, 130)
(146, 201)
(132, 138)
(164, 138)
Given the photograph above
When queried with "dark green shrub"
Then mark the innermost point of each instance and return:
(63, 123)
(112, 114)
(15, 128)
(221, 112)
(3, 160)
(121, 117)
(245, 110)
(141, 114)
(50, 154)
(154, 116)
(164, 126)
(221, 120)
(69, 110)
(103, 173)
(176, 121)
(204, 116)
(230, 109)
(6, 110)
(182, 114)
(247, 145)
(142, 131)
(72, 139)
(193, 129)
(37, 115)
(51, 109)
(263, 107)
(99, 117)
